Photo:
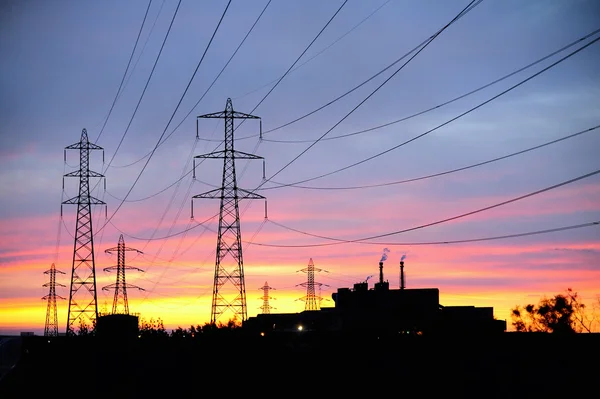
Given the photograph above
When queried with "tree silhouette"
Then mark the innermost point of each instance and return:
(561, 314)
(152, 328)
(84, 329)
(207, 329)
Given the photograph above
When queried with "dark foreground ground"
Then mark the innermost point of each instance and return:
(509, 365)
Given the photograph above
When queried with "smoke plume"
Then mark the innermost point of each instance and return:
(384, 256)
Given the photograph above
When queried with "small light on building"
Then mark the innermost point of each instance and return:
(299, 328)
(262, 334)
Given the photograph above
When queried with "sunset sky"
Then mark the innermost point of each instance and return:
(327, 196)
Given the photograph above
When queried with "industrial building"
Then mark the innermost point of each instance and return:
(117, 327)
(381, 310)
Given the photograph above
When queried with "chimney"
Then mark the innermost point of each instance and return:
(401, 274)
(381, 285)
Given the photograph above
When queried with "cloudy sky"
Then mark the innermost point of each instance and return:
(340, 187)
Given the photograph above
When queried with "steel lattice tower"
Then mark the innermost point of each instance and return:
(312, 300)
(229, 240)
(120, 303)
(266, 308)
(51, 326)
(82, 297)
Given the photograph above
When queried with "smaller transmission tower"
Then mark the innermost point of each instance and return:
(120, 303)
(312, 300)
(51, 326)
(266, 308)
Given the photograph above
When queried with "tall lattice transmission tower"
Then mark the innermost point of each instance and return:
(82, 297)
(51, 326)
(120, 302)
(266, 307)
(229, 264)
(313, 301)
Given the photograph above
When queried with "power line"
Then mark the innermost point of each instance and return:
(530, 233)
(167, 236)
(280, 79)
(341, 241)
(468, 8)
(125, 73)
(184, 174)
(447, 172)
(145, 88)
(297, 59)
(419, 47)
(320, 52)
(444, 103)
(172, 116)
(124, 85)
(205, 92)
(156, 193)
(433, 129)
(186, 196)
(137, 107)
(286, 73)
(487, 208)
(145, 45)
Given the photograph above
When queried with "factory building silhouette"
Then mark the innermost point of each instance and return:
(381, 310)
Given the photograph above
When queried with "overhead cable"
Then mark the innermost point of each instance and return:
(124, 73)
(444, 103)
(470, 240)
(364, 240)
(205, 92)
(447, 172)
(170, 119)
(320, 52)
(468, 8)
(435, 128)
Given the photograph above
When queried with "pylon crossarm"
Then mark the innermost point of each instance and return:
(224, 114)
(216, 193)
(81, 146)
(53, 284)
(229, 154)
(212, 155)
(241, 115)
(245, 194)
(116, 249)
(77, 173)
(72, 201)
(77, 200)
(244, 155)
(132, 249)
(220, 114)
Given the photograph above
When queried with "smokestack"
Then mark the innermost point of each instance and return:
(401, 274)
(381, 272)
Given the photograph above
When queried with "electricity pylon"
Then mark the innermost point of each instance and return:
(313, 301)
(51, 326)
(82, 296)
(120, 303)
(266, 308)
(229, 238)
